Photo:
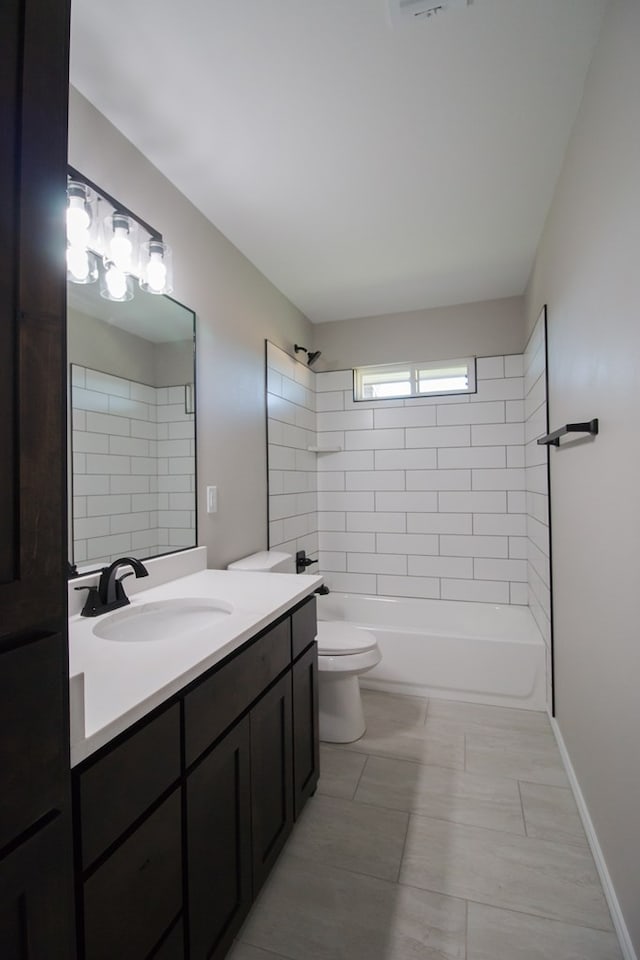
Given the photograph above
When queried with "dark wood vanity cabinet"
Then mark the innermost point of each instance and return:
(306, 748)
(219, 851)
(179, 822)
(129, 841)
(271, 777)
(131, 899)
(36, 888)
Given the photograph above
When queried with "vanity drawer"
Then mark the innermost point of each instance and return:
(120, 786)
(220, 699)
(133, 897)
(304, 627)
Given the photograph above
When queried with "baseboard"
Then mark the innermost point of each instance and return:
(628, 951)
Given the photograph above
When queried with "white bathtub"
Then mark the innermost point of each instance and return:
(479, 652)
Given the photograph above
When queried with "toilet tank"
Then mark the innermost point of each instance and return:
(267, 561)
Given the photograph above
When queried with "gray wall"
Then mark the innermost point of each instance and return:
(587, 272)
(236, 309)
(482, 329)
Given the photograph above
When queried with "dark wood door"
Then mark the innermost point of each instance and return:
(34, 43)
(219, 844)
(34, 921)
(33, 752)
(306, 750)
(35, 840)
(271, 777)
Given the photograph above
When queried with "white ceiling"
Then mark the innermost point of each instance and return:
(363, 168)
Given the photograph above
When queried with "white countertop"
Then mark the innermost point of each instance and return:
(113, 684)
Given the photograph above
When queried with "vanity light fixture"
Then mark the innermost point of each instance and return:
(124, 248)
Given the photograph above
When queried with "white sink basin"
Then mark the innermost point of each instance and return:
(162, 619)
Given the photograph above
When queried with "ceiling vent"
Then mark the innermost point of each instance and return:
(406, 11)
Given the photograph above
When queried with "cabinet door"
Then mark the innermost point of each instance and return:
(35, 923)
(271, 777)
(136, 894)
(172, 947)
(219, 844)
(306, 751)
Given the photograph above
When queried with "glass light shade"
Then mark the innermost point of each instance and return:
(82, 265)
(115, 284)
(156, 267)
(120, 242)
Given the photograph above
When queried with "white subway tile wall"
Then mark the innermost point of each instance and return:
(440, 498)
(133, 468)
(416, 498)
(420, 503)
(291, 426)
(537, 491)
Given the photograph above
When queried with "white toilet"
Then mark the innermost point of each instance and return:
(344, 652)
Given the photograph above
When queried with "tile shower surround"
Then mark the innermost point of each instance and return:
(291, 425)
(441, 497)
(537, 487)
(427, 496)
(133, 467)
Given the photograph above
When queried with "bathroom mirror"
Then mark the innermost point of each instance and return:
(132, 475)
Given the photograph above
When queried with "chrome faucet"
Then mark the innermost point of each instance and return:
(109, 594)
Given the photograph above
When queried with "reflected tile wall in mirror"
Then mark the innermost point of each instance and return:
(133, 468)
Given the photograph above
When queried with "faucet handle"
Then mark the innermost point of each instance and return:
(93, 604)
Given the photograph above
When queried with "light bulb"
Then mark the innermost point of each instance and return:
(78, 263)
(78, 223)
(116, 282)
(121, 248)
(78, 214)
(156, 273)
(156, 267)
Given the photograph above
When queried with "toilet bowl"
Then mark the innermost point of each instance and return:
(344, 653)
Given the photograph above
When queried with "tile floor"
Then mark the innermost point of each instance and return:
(448, 832)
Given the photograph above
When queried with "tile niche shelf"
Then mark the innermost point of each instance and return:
(336, 448)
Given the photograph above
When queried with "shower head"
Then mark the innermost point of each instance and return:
(311, 357)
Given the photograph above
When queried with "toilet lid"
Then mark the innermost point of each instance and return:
(336, 638)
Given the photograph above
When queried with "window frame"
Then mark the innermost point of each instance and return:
(413, 370)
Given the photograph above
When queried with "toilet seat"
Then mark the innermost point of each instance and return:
(339, 639)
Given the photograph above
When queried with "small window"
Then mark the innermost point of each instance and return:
(395, 381)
